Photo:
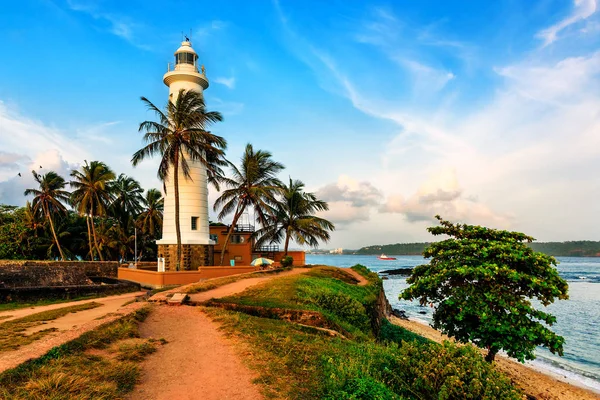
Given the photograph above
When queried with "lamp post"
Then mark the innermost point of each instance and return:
(135, 246)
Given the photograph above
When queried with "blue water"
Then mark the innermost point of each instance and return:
(578, 319)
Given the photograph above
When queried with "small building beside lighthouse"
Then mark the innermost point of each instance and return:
(197, 247)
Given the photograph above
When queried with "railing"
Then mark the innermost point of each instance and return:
(244, 228)
(171, 66)
(273, 248)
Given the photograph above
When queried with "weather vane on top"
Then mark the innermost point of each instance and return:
(187, 38)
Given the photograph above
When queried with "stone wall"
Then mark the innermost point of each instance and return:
(98, 287)
(53, 273)
(192, 256)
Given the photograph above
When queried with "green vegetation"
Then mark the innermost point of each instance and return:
(12, 333)
(582, 248)
(482, 282)
(179, 137)
(297, 362)
(218, 282)
(287, 261)
(293, 217)
(407, 249)
(101, 364)
(26, 233)
(48, 200)
(253, 185)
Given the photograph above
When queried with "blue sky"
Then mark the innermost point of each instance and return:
(484, 112)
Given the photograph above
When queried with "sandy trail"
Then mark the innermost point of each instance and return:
(362, 281)
(198, 362)
(12, 359)
(73, 320)
(110, 303)
(239, 286)
(534, 383)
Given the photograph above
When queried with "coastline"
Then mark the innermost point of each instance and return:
(535, 381)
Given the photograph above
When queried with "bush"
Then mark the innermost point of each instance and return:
(450, 371)
(287, 261)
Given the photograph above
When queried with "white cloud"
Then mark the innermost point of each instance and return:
(583, 9)
(349, 200)
(22, 135)
(229, 82)
(441, 194)
(118, 25)
(11, 189)
(426, 78)
(526, 152)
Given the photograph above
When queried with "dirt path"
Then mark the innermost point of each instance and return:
(362, 281)
(12, 359)
(239, 286)
(112, 303)
(534, 383)
(198, 362)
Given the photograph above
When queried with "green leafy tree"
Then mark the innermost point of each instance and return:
(254, 184)
(49, 199)
(482, 282)
(12, 226)
(127, 199)
(293, 217)
(179, 136)
(150, 219)
(92, 196)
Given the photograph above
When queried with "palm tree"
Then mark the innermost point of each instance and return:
(254, 184)
(293, 218)
(92, 196)
(181, 136)
(48, 198)
(127, 199)
(150, 219)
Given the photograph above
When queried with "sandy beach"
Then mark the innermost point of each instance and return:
(534, 383)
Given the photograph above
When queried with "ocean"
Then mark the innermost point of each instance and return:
(578, 319)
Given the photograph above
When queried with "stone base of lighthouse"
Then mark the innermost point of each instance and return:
(192, 256)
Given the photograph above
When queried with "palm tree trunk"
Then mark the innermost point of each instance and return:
(236, 216)
(287, 242)
(177, 224)
(94, 233)
(62, 256)
(87, 220)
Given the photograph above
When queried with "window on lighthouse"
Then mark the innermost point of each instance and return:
(185, 58)
(194, 223)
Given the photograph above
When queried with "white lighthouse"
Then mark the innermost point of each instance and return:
(197, 248)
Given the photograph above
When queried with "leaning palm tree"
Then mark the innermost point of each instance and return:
(180, 136)
(48, 199)
(92, 196)
(294, 218)
(254, 184)
(150, 219)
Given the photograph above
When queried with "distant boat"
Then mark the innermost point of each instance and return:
(384, 257)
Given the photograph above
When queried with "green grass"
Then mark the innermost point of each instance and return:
(12, 333)
(296, 362)
(327, 290)
(211, 284)
(101, 364)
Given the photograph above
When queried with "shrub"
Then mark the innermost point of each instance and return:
(450, 371)
(287, 261)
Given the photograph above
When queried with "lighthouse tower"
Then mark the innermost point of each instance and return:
(197, 248)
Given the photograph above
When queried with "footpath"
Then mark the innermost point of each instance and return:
(70, 326)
